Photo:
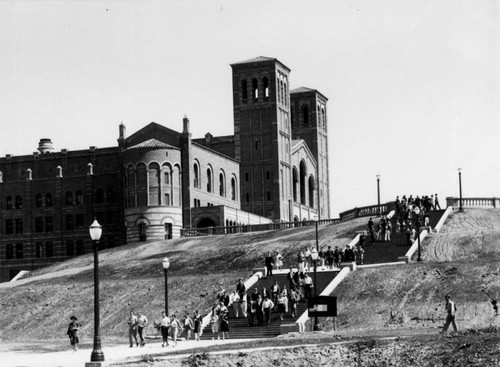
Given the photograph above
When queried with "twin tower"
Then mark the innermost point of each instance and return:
(281, 142)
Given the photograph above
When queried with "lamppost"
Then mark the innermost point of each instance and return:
(166, 265)
(460, 188)
(416, 210)
(314, 256)
(95, 231)
(378, 192)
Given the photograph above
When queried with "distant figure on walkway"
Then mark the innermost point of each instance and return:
(198, 322)
(73, 332)
(269, 265)
(132, 329)
(307, 286)
(164, 328)
(142, 321)
(436, 202)
(214, 324)
(300, 261)
(278, 260)
(267, 306)
(451, 310)
(176, 327)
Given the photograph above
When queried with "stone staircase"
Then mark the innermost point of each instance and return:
(385, 252)
(239, 328)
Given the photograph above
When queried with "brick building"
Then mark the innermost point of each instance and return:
(157, 181)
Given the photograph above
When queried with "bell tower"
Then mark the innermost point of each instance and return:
(262, 133)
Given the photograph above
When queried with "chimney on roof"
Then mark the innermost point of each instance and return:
(45, 146)
(185, 123)
(121, 137)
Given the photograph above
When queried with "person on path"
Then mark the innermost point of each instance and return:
(142, 321)
(73, 333)
(451, 310)
(188, 326)
(436, 202)
(132, 329)
(269, 264)
(267, 306)
(198, 321)
(164, 328)
(176, 327)
(224, 325)
(234, 300)
(307, 286)
(214, 324)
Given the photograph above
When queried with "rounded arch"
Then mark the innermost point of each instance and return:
(196, 174)
(302, 178)
(312, 189)
(210, 178)
(153, 184)
(222, 183)
(234, 186)
(206, 222)
(295, 182)
(141, 184)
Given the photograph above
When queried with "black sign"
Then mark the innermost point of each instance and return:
(322, 306)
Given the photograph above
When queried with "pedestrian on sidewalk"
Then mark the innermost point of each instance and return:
(132, 329)
(176, 327)
(198, 322)
(451, 310)
(188, 326)
(164, 328)
(267, 306)
(73, 333)
(142, 321)
(269, 264)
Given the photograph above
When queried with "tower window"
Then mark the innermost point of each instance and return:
(305, 115)
(265, 83)
(8, 202)
(255, 88)
(268, 174)
(247, 176)
(256, 145)
(247, 197)
(269, 196)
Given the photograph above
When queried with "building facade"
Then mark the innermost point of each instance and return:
(158, 181)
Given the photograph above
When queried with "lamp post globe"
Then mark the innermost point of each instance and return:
(166, 265)
(95, 231)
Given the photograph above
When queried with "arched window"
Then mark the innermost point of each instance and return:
(166, 178)
(302, 172)
(19, 202)
(295, 182)
(265, 82)
(278, 89)
(99, 196)
(69, 198)
(247, 197)
(305, 115)
(209, 180)
(222, 188)
(268, 175)
(255, 88)
(247, 176)
(130, 186)
(9, 251)
(142, 185)
(244, 89)
(233, 188)
(48, 199)
(154, 184)
(38, 200)
(323, 119)
(311, 191)
(269, 196)
(285, 99)
(8, 202)
(79, 197)
(196, 175)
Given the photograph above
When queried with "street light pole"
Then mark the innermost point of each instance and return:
(416, 210)
(95, 234)
(314, 256)
(460, 188)
(166, 265)
(378, 192)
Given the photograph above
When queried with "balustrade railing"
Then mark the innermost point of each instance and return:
(195, 232)
(473, 202)
(368, 211)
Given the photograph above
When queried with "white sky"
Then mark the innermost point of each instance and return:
(413, 86)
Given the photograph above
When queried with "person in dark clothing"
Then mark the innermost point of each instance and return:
(269, 265)
(73, 332)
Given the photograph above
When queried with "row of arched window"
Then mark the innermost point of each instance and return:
(254, 91)
(302, 117)
(303, 186)
(210, 184)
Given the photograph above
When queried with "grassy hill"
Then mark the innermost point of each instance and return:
(132, 278)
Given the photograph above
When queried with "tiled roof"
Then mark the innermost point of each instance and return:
(255, 59)
(302, 90)
(151, 143)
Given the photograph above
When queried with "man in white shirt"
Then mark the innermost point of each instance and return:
(132, 329)
(142, 321)
(451, 310)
